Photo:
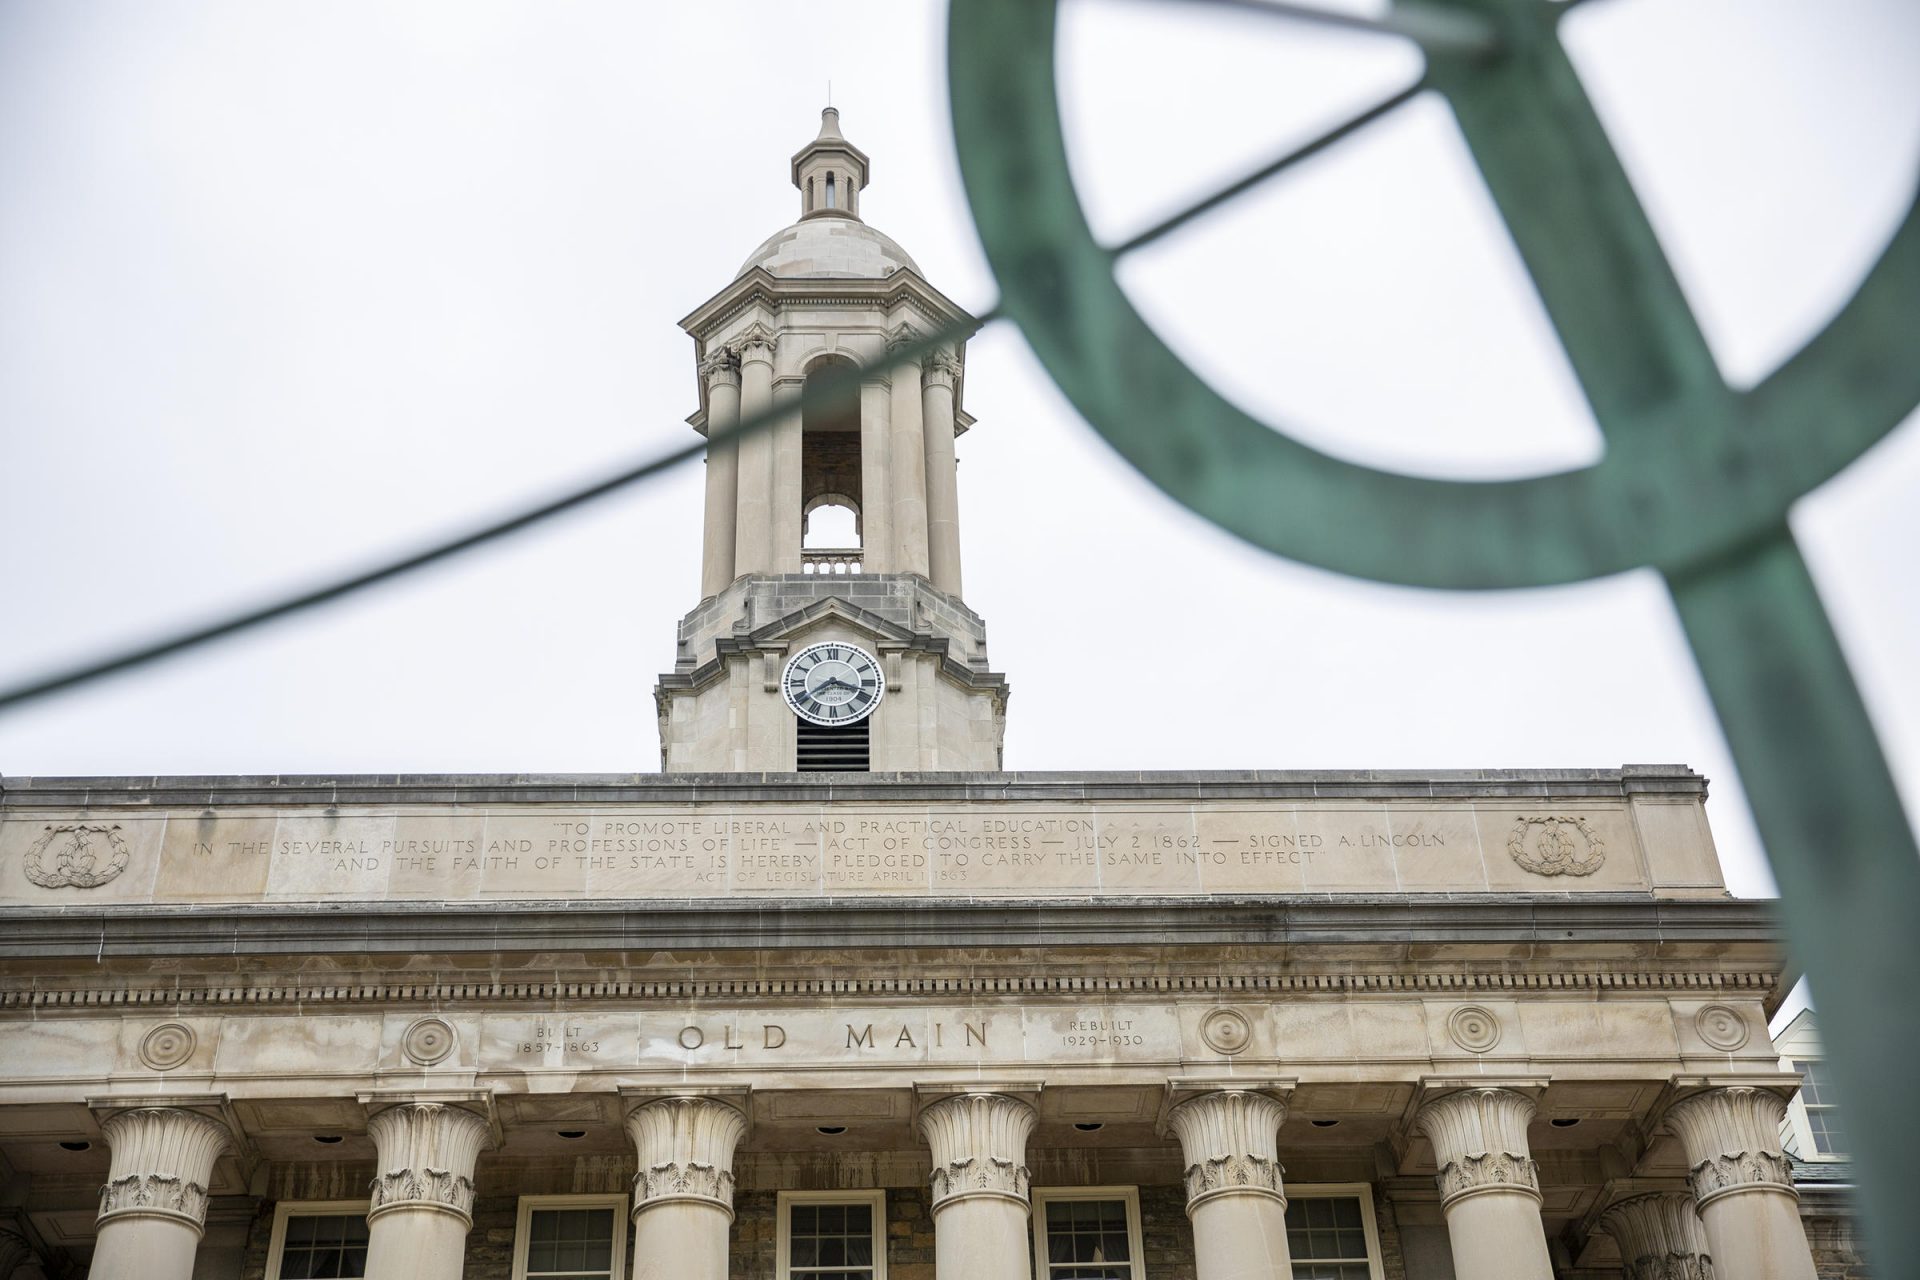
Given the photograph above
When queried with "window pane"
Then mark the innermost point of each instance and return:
(570, 1244)
(1327, 1238)
(324, 1247)
(1084, 1239)
(830, 1241)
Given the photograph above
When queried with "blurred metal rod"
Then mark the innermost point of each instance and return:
(1448, 31)
(820, 392)
(1278, 164)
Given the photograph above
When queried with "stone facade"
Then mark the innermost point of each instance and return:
(1470, 1025)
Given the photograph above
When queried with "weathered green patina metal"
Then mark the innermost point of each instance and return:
(1697, 482)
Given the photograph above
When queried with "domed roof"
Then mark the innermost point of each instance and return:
(825, 247)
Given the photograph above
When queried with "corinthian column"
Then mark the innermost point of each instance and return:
(153, 1209)
(422, 1190)
(943, 480)
(1660, 1237)
(1743, 1183)
(683, 1194)
(722, 373)
(18, 1261)
(980, 1182)
(753, 533)
(1489, 1187)
(908, 453)
(1234, 1195)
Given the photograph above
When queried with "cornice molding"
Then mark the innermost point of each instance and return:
(287, 790)
(414, 989)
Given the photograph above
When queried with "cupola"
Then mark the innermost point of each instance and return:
(830, 172)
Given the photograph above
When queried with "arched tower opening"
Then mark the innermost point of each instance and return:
(830, 479)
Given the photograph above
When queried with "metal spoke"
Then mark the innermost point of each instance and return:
(1438, 31)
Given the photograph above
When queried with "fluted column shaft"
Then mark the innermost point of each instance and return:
(723, 474)
(153, 1209)
(1235, 1197)
(1489, 1185)
(422, 1190)
(980, 1183)
(683, 1194)
(1743, 1183)
(908, 482)
(943, 480)
(1660, 1237)
(876, 480)
(753, 526)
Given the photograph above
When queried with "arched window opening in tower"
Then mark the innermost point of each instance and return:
(831, 488)
(830, 190)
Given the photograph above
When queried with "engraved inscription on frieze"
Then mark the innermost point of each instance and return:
(1058, 850)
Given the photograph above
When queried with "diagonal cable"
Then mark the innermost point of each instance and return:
(1280, 163)
(815, 393)
(820, 390)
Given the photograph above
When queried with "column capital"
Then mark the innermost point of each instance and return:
(979, 1143)
(756, 342)
(1732, 1139)
(721, 369)
(426, 1152)
(1479, 1138)
(1229, 1139)
(685, 1145)
(162, 1163)
(1660, 1237)
(17, 1253)
(939, 370)
(904, 335)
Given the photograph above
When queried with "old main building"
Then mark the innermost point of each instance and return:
(834, 997)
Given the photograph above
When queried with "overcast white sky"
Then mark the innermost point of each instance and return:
(284, 287)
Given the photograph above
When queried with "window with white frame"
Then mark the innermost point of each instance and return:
(570, 1238)
(1087, 1233)
(318, 1240)
(1331, 1234)
(1823, 1118)
(831, 1235)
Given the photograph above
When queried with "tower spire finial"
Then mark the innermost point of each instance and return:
(830, 171)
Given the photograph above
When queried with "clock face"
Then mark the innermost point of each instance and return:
(833, 683)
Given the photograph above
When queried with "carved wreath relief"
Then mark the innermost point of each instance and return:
(415, 1186)
(1226, 1031)
(428, 1041)
(1722, 1027)
(167, 1046)
(83, 855)
(1473, 1028)
(1556, 845)
(975, 1174)
(154, 1193)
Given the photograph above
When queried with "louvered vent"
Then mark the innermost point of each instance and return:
(839, 748)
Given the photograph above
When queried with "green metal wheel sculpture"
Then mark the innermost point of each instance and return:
(1697, 479)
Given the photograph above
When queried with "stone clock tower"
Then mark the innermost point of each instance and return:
(830, 634)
